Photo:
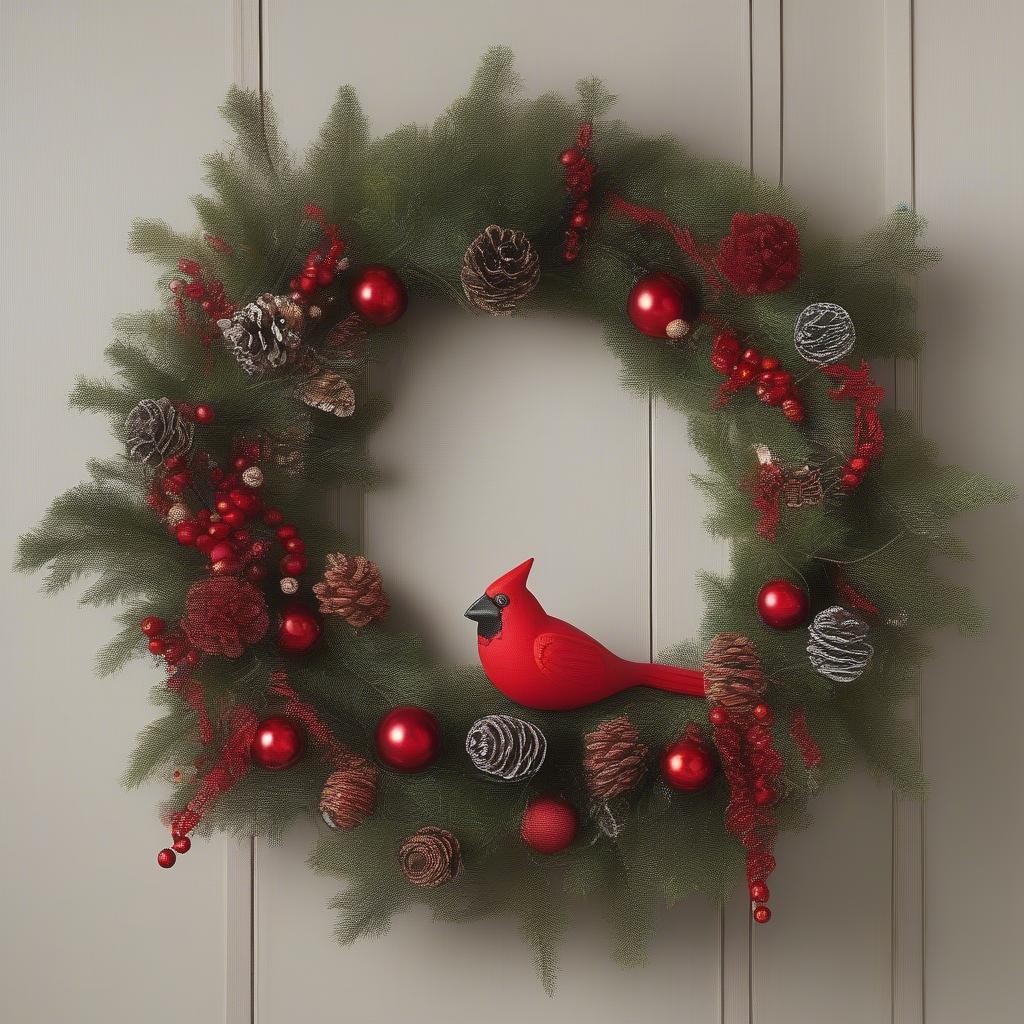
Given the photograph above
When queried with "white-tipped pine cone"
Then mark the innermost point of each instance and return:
(837, 644)
(156, 431)
(500, 268)
(506, 747)
(263, 334)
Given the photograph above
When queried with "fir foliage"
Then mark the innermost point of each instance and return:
(414, 199)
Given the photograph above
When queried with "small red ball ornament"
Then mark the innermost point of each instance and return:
(378, 295)
(782, 605)
(762, 915)
(408, 738)
(166, 858)
(277, 745)
(549, 824)
(659, 306)
(687, 765)
(205, 414)
(182, 844)
(299, 629)
(759, 892)
(152, 626)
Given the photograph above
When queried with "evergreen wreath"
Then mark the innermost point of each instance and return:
(244, 398)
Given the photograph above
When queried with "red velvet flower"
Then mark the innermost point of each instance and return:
(760, 254)
(224, 614)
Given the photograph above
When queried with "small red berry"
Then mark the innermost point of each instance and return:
(157, 646)
(293, 565)
(580, 220)
(182, 845)
(859, 464)
(218, 531)
(205, 414)
(153, 625)
(295, 545)
(186, 533)
(234, 517)
(569, 157)
(240, 462)
(850, 480)
(718, 715)
(762, 915)
(759, 892)
(769, 363)
(193, 658)
(166, 858)
(752, 356)
(286, 532)
(273, 517)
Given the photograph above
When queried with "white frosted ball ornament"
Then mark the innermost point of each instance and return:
(824, 333)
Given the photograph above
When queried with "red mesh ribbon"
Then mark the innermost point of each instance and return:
(295, 707)
(192, 693)
(868, 433)
(851, 597)
(704, 257)
(231, 765)
(766, 488)
(809, 750)
(752, 766)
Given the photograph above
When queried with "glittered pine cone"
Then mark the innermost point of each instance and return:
(352, 588)
(430, 857)
(733, 674)
(614, 758)
(263, 334)
(329, 392)
(760, 254)
(506, 747)
(156, 431)
(224, 615)
(500, 268)
(837, 644)
(349, 795)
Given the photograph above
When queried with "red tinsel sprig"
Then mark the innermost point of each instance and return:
(579, 180)
(323, 261)
(868, 433)
(766, 487)
(192, 693)
(798, 731)
(851, 597)
(200, 286)
(303, 712)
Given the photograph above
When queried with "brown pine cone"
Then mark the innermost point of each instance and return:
(614, 759)
(349, 795)
(346, 340)
(733, 674)
(352, 588)
(328, 391)
(223, 615)
(430, 857)
(500, 268)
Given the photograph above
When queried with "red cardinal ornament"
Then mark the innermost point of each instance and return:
(544, 663)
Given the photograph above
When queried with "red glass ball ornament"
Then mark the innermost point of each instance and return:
(378, 295)
(782, 605)
(762, 915)
(182, 845)
(166, 858)
(687, 764)
(277, 745)
(549, 824)
(656, 301)
(759, 892)
(205, 414)
(408, 738)
(299, 629)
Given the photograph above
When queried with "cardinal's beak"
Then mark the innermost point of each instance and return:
(487, 616)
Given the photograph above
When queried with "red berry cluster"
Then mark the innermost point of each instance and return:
(746, 366)
(207, 291)
(752, 767)
(323, 261)
(170, 644)
(579, 179)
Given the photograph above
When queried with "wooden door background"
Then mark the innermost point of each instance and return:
(884, 911)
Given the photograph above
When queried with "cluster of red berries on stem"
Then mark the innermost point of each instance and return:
(579, 179)
(170, 644)
(207, 291)
(323, 262)
(747, 366)
(752, 767)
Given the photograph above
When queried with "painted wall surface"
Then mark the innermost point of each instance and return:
(884, 912)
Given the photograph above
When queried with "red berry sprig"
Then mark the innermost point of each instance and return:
(746, 366)
(208, 291)
(579, 179)
(323, 262)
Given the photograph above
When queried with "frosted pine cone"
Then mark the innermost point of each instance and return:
(223, 615)
(500, 268)
(349, 795)
(262, 334)
(733, 674)
(157, 431)
(506, 747)
(837, 644)
(430, 857)
(614, 759)
(352, 588)
(329, 392)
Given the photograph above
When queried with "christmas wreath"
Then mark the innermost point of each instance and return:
(244, 397)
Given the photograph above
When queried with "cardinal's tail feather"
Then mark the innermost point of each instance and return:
(675, 680)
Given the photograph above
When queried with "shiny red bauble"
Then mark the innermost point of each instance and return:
(182, 844)
(205, 414)
(687, 764)
(278, 743)
(762, 915)
(166, 858)
(299, 629)
(408, 738)
(378, 295)
(549, 824)
(782, 605)
(659, 305)
(153, 625)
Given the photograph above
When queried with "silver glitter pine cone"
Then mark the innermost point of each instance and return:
(157, 431)
(500, 268)
(824, 333)
(507, 748)
(837, 644)
(263, 334)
